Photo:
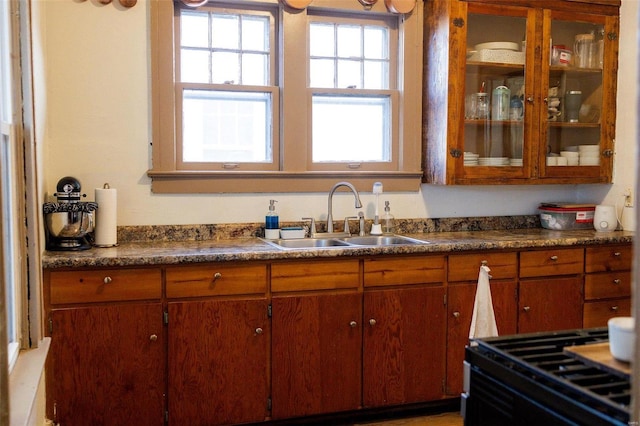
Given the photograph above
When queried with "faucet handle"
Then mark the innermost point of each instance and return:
(346, 224)
(312, 231)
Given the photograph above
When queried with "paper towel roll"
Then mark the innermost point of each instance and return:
(106, 234)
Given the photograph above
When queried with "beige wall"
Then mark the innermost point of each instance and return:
(92, 91)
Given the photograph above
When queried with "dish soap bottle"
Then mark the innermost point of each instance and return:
(272, 223)
(388, 225)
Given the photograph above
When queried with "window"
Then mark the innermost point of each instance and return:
(251, 97)
(9, 226)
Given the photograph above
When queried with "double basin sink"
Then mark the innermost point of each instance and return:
(342, 242)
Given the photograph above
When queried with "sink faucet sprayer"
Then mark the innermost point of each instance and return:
(330, 211)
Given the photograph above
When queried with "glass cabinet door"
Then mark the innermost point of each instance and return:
(494, 94)
(574, 97)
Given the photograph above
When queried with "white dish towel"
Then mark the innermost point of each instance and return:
(483, 321)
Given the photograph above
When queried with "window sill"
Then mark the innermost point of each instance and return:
(24, 385)
(181, 182)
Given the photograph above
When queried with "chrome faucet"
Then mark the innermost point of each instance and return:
(330, 211)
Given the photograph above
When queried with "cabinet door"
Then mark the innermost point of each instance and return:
(107, 365)
(316, 354)
(218, 362)
(460, 300)
(404, 341)
(579, 89)
(498, 80)
(550, 304)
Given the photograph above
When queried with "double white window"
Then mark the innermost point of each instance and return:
(257, 89)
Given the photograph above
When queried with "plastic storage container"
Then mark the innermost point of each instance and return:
(567, 217)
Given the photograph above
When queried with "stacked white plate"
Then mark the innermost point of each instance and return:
(470, 159)
(493, 161)
(589, 155)
(572, 157)
(515, 162)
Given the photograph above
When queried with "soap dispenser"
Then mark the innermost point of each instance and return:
(388, 223)
(272, 222)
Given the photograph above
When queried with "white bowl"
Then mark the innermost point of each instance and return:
(622, 338)
(569, 154)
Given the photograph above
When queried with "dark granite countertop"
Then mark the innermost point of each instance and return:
(149, 253)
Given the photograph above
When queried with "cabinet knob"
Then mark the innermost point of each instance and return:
(530, 99)
(617, 254)
(107, 280)
(259, 330)
(456, 314)
(615, 308)
(526, 308)
(617, 281)
(372, 322)
(153, 337)
(554, 258)
(216, 277)
(353, 324)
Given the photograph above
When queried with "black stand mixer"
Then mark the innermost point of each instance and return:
(69, 221)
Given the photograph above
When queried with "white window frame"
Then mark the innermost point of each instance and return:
(293, 170)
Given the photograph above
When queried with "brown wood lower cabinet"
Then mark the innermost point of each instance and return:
(550, 304)
(218, 356)
(106, 365)
(404, 335)
(316, 353)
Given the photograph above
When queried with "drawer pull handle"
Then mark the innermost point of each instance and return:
(216, 277)
(617, 281)
(456, 314)
(107, 280)
(353, 324)
(259, 330)
(617, 254)
(372, 322)
(554, 258)
(615, 308)
(153, 337)
(526, 308)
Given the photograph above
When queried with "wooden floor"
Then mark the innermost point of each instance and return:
(444, 419)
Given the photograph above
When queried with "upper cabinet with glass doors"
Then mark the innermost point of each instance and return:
(520, 92)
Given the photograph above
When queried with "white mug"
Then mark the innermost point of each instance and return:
(605, 218)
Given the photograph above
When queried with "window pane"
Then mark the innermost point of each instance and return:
(351, 128)
(225, 67)
(322, 73)
(322, 40)
(349, 74)
(194, 66)
(376, 45)
(225, 31)
(220, 126)
(255, 33)
(255, 69)
(376, 75)
(194, 30)
(349, 41)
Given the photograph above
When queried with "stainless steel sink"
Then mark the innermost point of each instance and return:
(381, 240)
(299, 243)
(342, 242)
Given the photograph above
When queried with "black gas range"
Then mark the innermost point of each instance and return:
(528, 379)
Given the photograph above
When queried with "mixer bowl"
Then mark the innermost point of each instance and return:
(71, 225)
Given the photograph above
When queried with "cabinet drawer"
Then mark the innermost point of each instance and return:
(551, 262)
(596, 314)
(604, 286)
(105, 285)
(466, 267)
(403, 271)
(609, 258)
(216, 280)
(322, 275)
